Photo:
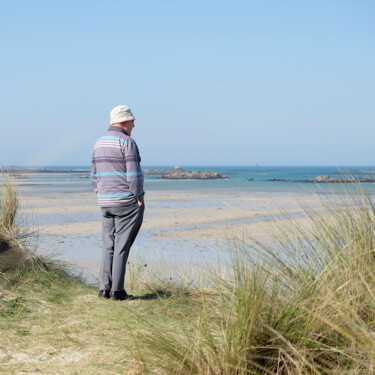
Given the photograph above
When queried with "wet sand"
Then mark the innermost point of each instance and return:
(168, 215)
(179, 227)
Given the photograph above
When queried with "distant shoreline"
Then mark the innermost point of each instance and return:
(357, 175)
(15, 170)
(158, 170)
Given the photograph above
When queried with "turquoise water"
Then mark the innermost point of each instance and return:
(237, 181)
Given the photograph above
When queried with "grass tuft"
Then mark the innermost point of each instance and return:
(8, 205)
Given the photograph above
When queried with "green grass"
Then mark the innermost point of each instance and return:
(55, 324)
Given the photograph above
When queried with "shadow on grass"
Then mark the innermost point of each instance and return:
(155, 295)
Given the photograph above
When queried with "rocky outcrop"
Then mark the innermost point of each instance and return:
(181, 174)
(178, 173)
(324, 179)
(327, 179)
(355, 172)
(162, 171)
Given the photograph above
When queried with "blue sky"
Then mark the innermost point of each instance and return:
(273, 82)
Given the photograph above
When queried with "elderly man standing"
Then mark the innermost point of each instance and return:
(117, 179)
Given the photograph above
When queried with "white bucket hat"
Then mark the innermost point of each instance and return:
(121, 113)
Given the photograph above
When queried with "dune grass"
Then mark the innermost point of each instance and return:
(8, 205)
(302, 303)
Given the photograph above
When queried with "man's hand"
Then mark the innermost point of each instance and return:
(140, 202)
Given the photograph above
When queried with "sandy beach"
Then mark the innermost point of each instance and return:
(186, 223)
(178, 218)
(179, 227)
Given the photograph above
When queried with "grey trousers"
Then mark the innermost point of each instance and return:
(120, 228)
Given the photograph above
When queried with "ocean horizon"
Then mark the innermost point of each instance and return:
(271, 179)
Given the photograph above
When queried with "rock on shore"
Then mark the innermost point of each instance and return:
(163, 171)
(327, 179)
(178, 173)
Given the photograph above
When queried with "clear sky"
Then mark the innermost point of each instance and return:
(273, 82)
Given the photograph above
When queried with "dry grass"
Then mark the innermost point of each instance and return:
(15, 241)
(304, 304)
(8, 205)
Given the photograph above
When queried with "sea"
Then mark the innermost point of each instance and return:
(83, 251)
(270, 179)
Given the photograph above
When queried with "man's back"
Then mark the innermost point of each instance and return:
(116, 173)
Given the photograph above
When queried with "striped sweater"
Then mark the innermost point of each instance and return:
(116, 174)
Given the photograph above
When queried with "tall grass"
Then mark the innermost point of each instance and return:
(8, 205)
(17, 243)
(303, 303)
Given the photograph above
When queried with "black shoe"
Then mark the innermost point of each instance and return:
(104, 294)
(121, 296)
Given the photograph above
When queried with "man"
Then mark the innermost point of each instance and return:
(117, 179)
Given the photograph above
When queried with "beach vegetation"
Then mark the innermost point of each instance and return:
(8, 205)
(302, 302)
(53, 322)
